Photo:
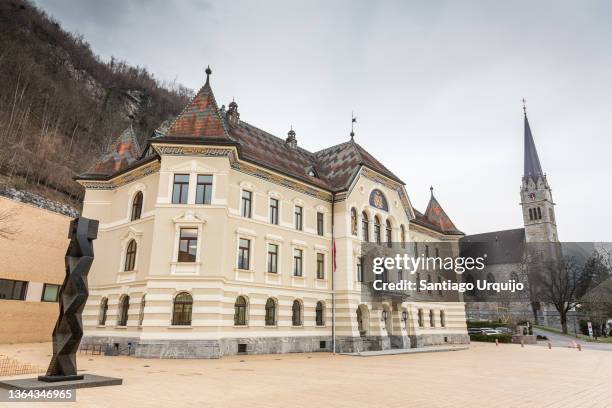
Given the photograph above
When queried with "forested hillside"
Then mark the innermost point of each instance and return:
(61, 105)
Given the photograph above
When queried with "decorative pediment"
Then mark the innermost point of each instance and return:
(189, 217)
(130, 233)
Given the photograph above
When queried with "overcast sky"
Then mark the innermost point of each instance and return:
(436, 87)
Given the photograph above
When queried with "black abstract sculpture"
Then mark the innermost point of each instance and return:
(74, 292)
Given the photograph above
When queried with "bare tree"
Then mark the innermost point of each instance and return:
(559, 282)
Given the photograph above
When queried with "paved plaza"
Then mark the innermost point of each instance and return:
(482, 376)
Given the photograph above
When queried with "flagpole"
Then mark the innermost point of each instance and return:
(333, 276)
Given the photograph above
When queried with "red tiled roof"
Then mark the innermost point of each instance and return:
(435, 217)
(124, 151)
(200, 119)
(202, 122)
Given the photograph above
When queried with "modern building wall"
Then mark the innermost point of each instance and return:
(35, 254)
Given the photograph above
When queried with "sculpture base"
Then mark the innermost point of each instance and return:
(88, 381)
(58, 378)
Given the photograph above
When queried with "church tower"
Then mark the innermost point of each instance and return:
(536, 195)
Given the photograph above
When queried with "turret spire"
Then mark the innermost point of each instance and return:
(532, 167)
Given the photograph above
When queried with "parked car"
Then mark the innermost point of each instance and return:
(491, 332)
(504, 329)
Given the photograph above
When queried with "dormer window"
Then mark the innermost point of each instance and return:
(312, 172)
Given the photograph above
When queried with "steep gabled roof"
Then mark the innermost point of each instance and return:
(262, 148)
(340, 162)
(435, 215)
(200, 120)
(123, 152)
(532, 167)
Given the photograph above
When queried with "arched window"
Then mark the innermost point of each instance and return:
(136, 206)
(531, 214)
(360, 320)
(240, 311)
(442, 318)
(403, 235)
(365, 227)
(124, 307)
(514, 276)
(539, 213)
(353, 221)
(130, 256)
(320, 314)
(363, 321)
(469, 279)
(142, 309)
(270, 312)
(377, 230)
(432, 318)
(490, 279)
(181, 310)
(296, 313)
(421, 319)
(388, 234)
(103, 311)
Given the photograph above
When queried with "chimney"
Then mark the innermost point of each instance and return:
(233, 117)
(291, 140)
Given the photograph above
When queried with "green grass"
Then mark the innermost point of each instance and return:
(571, 335)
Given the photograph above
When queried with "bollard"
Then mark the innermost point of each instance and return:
(496, 342)
(549, 345)
(579, 347)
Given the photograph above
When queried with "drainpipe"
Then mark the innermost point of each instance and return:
(333, 276)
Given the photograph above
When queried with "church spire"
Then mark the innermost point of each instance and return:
(532, 167)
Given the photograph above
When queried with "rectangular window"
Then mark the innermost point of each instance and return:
(426, 251)
(204, 189)
(320, 224)
(400, 275)
(13, 289)
(421, 321)
(432, 320)
(320, 266)
(359, 270)
(437, 252)
(416, 249)
(246, 203)
(272, 258)
(188, 245)
(418, 281)
(244, 253)
(274, 211)
(298, 217)
(297, 262)
(180, 189)
(50, 292)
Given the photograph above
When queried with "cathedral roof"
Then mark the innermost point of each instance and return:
(124, 151)
(501, 247)
(532, 167)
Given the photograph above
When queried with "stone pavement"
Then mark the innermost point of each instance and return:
(390, 352)
(484, 375)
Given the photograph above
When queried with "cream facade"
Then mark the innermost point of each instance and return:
(206, 298)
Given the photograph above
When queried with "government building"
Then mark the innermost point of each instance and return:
(218, 238)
